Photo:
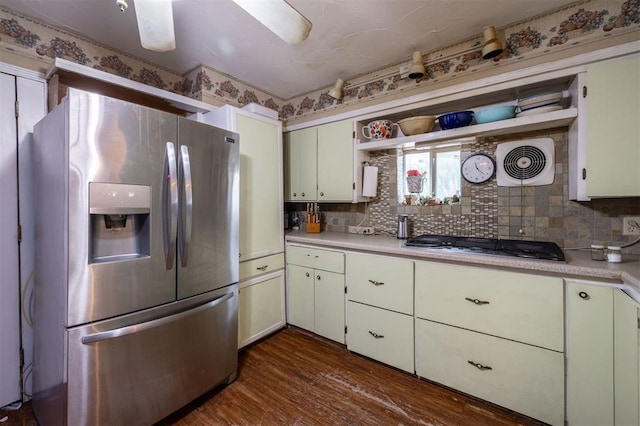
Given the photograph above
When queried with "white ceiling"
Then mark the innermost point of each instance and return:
(348, 38)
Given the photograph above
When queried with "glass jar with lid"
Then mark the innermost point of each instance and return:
(614, 254)
(597, 252)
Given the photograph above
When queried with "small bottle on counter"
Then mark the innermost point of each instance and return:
(614, 254)
(597, 252)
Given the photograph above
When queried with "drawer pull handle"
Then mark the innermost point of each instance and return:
(376, 283)
(262, 268)
(480, 366)
(584, 295)
(376, 335)
(306, 274)
(477, 301)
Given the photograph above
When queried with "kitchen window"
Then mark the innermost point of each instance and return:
(442, 178)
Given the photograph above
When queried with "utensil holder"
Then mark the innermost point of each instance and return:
(313, 228)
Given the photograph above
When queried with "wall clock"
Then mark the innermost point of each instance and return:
(478, 168)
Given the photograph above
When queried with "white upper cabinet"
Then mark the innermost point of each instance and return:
(613, 128)
(319, 163)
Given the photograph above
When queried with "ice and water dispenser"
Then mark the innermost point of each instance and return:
(120, 221)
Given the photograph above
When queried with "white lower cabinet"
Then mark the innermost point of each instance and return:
(315, 291)
(626, 359)
(380, 334)
(261, 308)
(589, 318)
(521, 377)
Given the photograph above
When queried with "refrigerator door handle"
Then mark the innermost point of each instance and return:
(169, 204)
(137, 328)
(186, 208)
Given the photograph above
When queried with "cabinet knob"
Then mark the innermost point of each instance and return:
(306, 274)
(318, 277)
(584, 295)
(480, 366)
(303, 194)
(322, 194)
(295, 194)
(376, 335)
(376, 283)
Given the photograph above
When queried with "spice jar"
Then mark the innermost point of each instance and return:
(614, 254)
(597, 252)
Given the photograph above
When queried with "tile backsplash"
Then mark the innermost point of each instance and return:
(487, 210)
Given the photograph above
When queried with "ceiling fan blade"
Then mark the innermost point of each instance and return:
(155, 24)
(279, 17)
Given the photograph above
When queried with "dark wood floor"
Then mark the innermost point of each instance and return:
(295, 377)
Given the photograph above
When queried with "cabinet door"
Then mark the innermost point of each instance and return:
(589, 316)
(613, 132)
(335, 161)
(626, 358)
(9, 285)
(261, 227)
(329, 305)
(260, 307)
(301, 165)
(300, 294)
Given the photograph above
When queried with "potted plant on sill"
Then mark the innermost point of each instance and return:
(415, 180)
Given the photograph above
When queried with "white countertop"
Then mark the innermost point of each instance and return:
(625, 275)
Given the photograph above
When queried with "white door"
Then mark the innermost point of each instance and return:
(32, 100)
(9, 278)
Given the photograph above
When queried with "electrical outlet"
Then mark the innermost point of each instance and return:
(631, 225)
(404, 70)
(362, 230)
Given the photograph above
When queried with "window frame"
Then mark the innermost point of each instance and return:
(432, 176)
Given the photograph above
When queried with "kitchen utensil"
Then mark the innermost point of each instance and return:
(455, 119)
(497, 113)
(378, 129)
(403, 219)
(416, 125)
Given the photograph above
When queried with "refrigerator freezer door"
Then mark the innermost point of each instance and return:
(114, 142)
(209, 208)
(139, 372)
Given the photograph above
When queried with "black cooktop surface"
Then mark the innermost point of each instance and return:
(544, 250)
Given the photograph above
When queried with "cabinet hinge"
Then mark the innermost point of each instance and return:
(19, 233)
(345, 329)
(584, 91)
(345, 289)
(354, 185)
(17, 109)
(354, 135)
(584, 174)
(21, 358)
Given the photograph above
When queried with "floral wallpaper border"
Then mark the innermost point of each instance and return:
(585, 22)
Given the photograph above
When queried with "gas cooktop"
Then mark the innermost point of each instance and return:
(544, 250)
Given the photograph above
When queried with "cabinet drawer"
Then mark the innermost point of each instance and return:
(380, 334)
(327, 260)
(523, 378)
(260, 266)
(522, 307)
(382, 281)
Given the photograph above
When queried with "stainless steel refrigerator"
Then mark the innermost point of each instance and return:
(136, 262)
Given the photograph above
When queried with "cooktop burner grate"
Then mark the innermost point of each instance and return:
(543, 250)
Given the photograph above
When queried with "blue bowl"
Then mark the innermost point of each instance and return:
(497, 113)
(455, 119)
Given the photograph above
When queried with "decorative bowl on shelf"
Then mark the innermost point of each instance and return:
(455, 119)
(417, 125)
(496, 113)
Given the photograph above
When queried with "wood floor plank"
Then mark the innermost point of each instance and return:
(297, 378)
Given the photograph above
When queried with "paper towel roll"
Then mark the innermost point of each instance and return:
(370, 181)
